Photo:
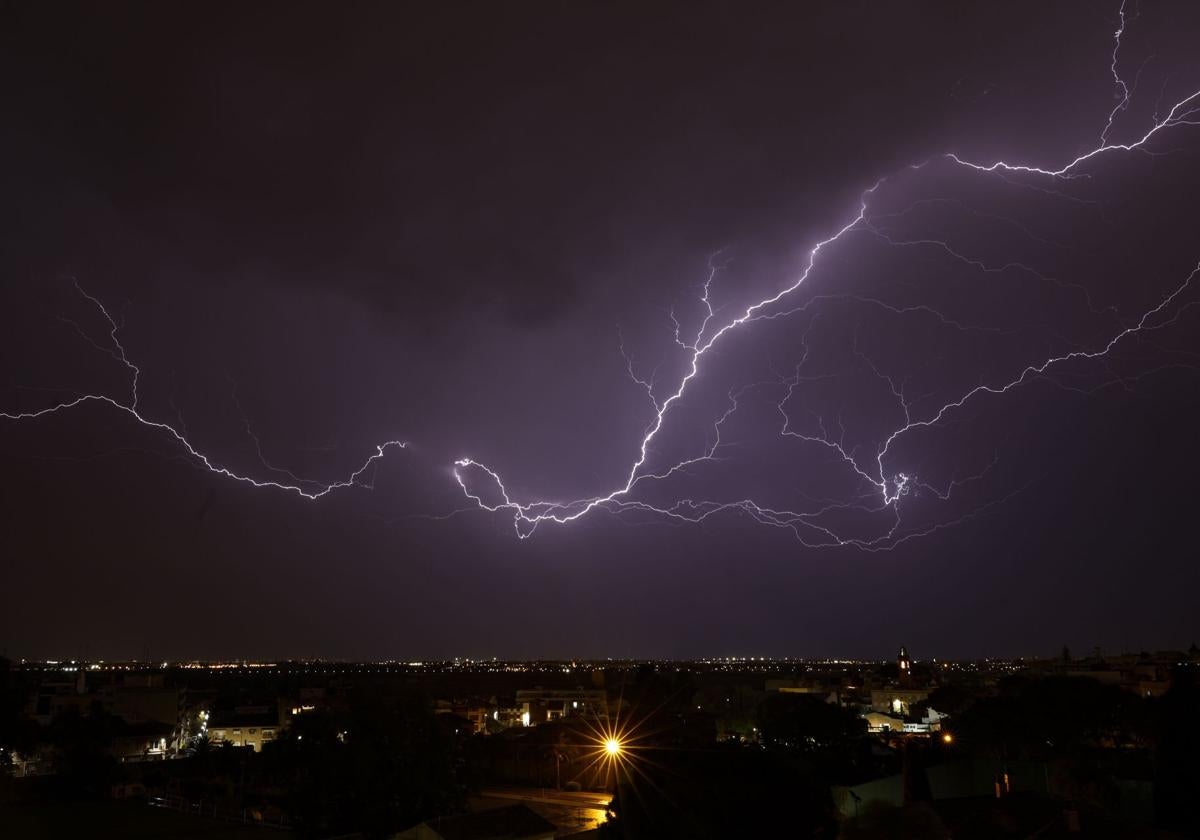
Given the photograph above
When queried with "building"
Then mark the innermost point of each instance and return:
(476, 713)
(540, 705)
(879, 722)
(904, 664)
(828, 693)
(141, 741)
(56, 693)
(244, 726)
(897, 701)
(142, 698)
(139, 699)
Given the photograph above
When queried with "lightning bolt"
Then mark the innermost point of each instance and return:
(1120, 88)
(880, 491)
(306, 488)
(483, 486)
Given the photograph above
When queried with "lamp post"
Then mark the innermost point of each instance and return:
(559, 758)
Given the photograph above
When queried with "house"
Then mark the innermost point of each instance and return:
(897, 701)
(244, 726)
(142, 740)
(879, 722)
(539, 705)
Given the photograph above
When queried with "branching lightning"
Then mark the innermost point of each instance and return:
(305, 488)
(882, 486)
(885, 490)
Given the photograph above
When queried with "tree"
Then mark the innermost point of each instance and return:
(81, 750)
(807, 723)
(17, 732)
(949, 699)
(1177, 776)
(1053, 717)
(719, 793)
(382, 766)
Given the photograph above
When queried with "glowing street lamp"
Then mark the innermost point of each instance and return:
(612, 747)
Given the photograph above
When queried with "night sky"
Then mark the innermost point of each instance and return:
(322, 227)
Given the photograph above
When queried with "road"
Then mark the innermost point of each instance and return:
(570, 811)
(550, 796)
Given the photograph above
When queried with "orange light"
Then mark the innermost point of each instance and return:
(612, 746)
(947, 738)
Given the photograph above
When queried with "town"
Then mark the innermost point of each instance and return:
(613, 748)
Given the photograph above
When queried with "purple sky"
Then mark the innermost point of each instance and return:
(323, 229)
